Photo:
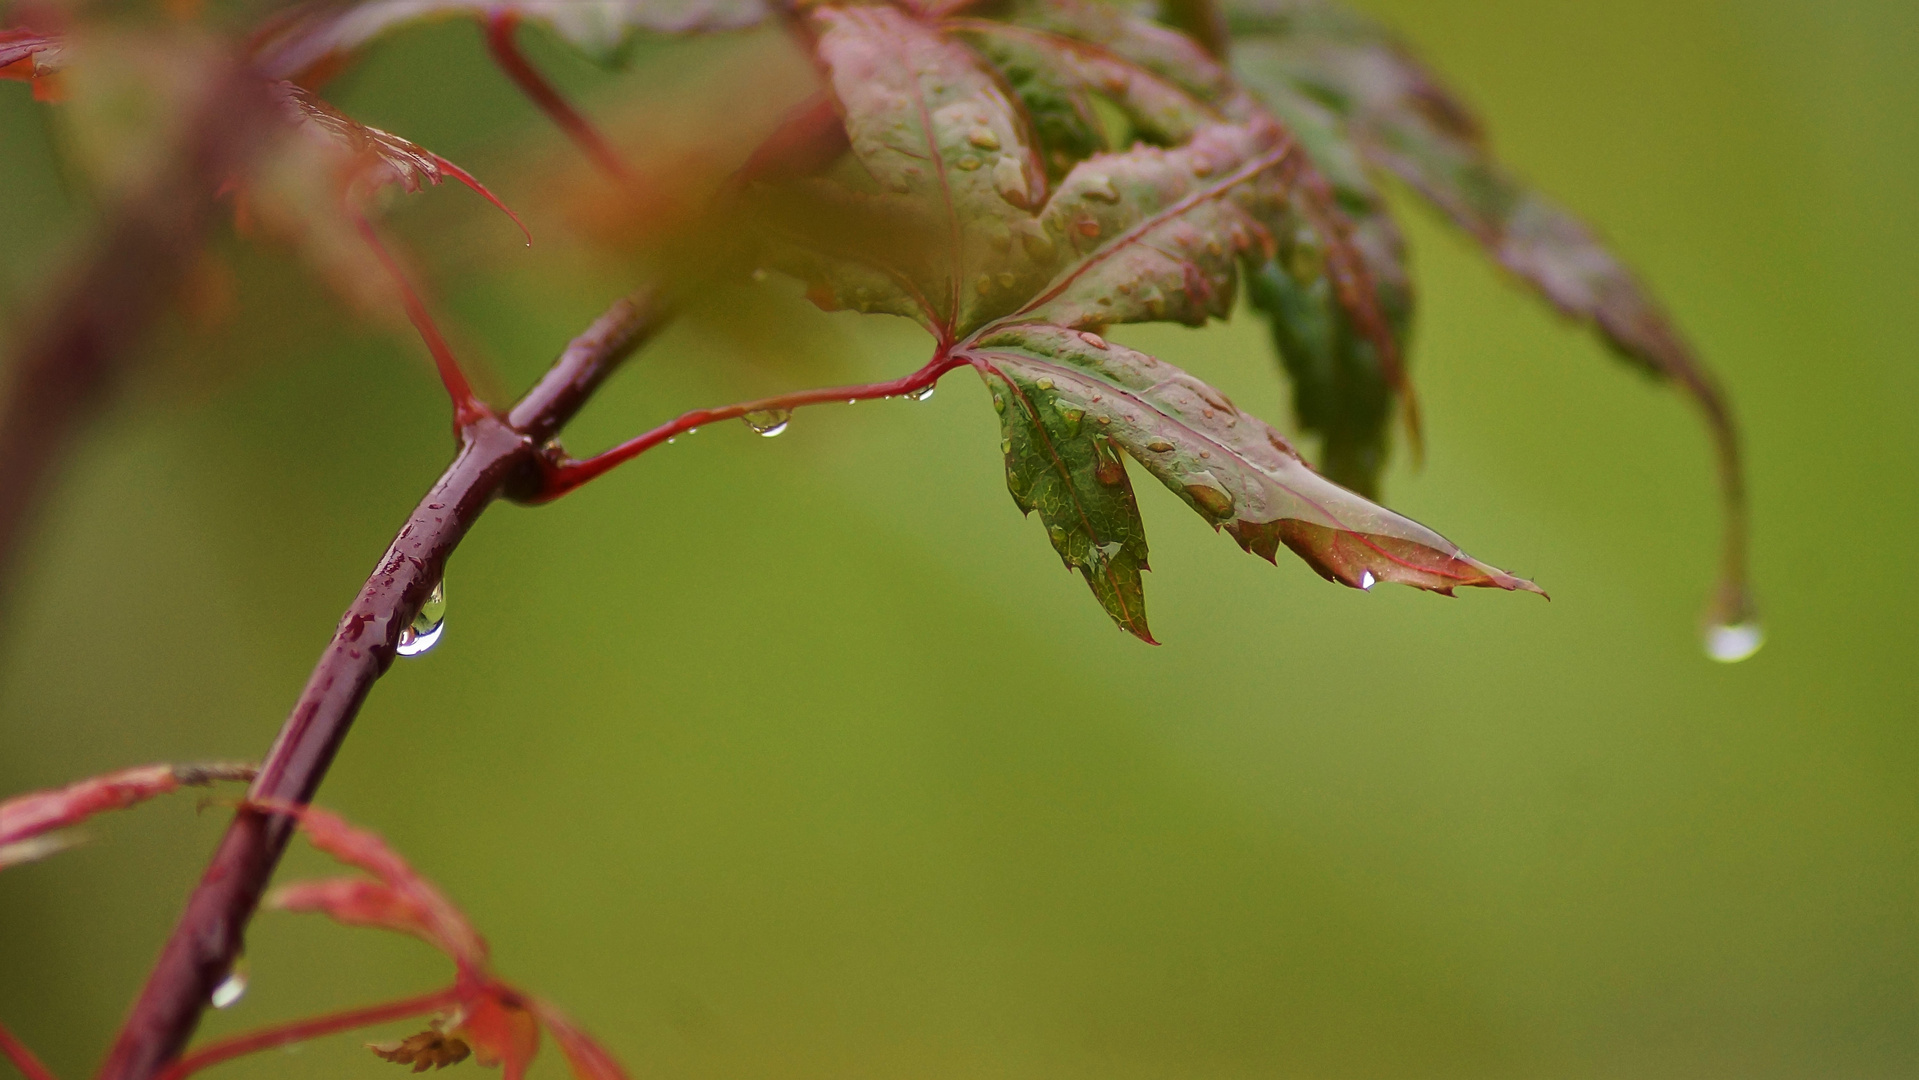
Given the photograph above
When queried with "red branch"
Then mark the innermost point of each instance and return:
(301, 1030)
(22, 1058)
(497, 456)
(565, 474)
(501, 27)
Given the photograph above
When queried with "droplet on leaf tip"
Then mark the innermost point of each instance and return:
(1729, 643)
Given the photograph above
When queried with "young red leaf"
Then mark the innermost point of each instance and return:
(502, 1031)
(399, 900)
(26, 819)
(585, 1056)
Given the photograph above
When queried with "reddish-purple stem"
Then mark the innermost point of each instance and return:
(467, 408)
(497, 456)
(299, 1031)
(564, 475)
(22, 1058)
(501, 27)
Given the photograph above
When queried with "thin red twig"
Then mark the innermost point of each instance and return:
(301, 1030)
(467, 407)
(564, 475)
(22, 1058)
(501, 26)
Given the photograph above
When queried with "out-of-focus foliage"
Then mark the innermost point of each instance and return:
(786, 756)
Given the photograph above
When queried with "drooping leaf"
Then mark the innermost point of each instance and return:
(27, 820)
(1231, 468)
(312, 40)
(1060, 463)
(371, 158)
(1019, 280)
(1404, 121)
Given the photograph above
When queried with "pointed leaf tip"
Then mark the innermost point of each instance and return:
(466, 178)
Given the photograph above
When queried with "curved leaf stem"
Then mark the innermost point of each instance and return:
(467, 408)
(299, 1031)
(22, 1058)
(496, 456)
(560, 475)
(502, 27)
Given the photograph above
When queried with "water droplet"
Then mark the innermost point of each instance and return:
(767, 422)
(1092, 339)
(1159, 446)
(428, 626)
(1212, 500)
(1006, 446)
(1367, 580)
(1044, 383)
(852, 401)
(1731, 643)
(999, 403)
(923, 395)
(968, 163)
(983, 138)
(232, 988)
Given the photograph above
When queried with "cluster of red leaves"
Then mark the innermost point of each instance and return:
(498, 1023)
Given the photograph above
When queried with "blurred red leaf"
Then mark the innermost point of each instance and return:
(25, 819)
(400, 900)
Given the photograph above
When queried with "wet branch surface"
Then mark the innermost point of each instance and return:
(497, 456)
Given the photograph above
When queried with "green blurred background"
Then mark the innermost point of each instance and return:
(804, 758)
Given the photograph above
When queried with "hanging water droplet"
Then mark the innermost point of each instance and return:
(1367, 580)
(232, 988)
(1730, 643)
(923, 395)
(768, 422)
(428, 626)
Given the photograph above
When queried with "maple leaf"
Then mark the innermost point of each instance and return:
(1017, 277)
(312, 40)
(493, 1020)
(1335, 291)
(1310, 56)
(29, 823)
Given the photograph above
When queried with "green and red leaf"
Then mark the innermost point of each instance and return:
(986, 199)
